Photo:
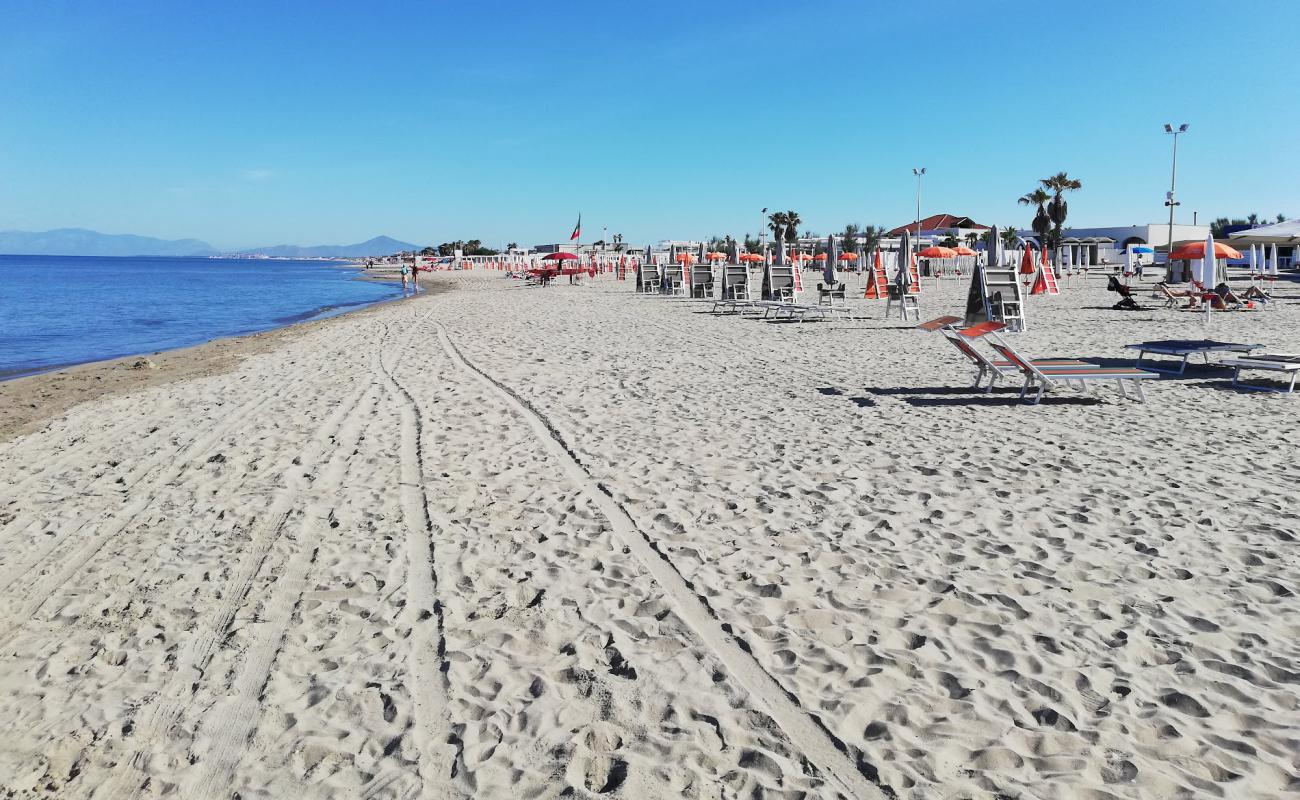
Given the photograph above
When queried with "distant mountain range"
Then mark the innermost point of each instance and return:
(82, 242)
(378, 246)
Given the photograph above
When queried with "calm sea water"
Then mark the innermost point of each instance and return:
(61, 310)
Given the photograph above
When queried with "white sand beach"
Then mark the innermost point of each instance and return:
(510, 542)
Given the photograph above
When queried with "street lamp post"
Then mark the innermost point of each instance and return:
(1169, 198)
(918, 172)
(762, 232)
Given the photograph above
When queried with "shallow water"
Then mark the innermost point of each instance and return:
(61, 310)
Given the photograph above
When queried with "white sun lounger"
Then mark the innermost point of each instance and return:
(1182, 350)
(802, 312)
(1285, 363)
(1044, 379)
(988, 367)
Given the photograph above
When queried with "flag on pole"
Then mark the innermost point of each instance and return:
(577, 229)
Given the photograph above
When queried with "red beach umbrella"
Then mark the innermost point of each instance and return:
(1027, 261)
(963, 251)
(1197, 250)
(848, 256)
(938, 252)
(559, 257)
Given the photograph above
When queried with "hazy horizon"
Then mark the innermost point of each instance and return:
(308, 125)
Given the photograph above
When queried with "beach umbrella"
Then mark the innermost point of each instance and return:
(848, 257)
(1254, 262)
(993, 246)
(1192, 250)
(1027, 261)
(780, 252)
(559, 257)
(733, 252)
(903, 279)
(963, 250)
(1272, 261)
(1209, 264)
(828, 269)
(934, 251)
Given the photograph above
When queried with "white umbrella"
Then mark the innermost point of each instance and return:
(1254, 264)
(1209, 266)
(1272, 262)
(1128, 261)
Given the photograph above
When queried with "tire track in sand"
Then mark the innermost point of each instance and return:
(157, 720)
(805, 731)
(437, 745)
(44, 576)
(230, 724)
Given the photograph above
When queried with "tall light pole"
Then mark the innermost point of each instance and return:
(762, 231)
(918, 172)
(1169, 198)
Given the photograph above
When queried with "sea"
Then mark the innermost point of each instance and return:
(56, 311)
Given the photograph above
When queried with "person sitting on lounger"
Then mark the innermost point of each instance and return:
(1224, 291)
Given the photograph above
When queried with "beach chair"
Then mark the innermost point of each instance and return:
(1286, 363)
(907, 302)
(827, 295)
(1173, 296)
(990, 368)
(1043, 379)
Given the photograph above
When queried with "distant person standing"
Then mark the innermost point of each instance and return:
(406, 275)
(415, 277)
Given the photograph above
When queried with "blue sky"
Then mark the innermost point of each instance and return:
(330, 122)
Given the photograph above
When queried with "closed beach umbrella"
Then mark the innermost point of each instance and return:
(903, 280)
(828, 269)
(994, 247)
(1208, 265)
(1027, 261)
(733, 252)
(1272, 261)
(1254, 264)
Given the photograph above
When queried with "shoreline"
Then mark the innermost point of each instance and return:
(28, 401)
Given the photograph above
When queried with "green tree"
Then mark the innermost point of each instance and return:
(1058, 185)
(753, 244)
(849, 238)
(1281, 217)
(871, 236)
(1039, 199)
(950, 240)
(777, 222)
(792, 226)
(1009, 237)
(428, 251)
(972, 239)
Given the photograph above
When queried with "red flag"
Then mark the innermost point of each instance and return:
(577, 229)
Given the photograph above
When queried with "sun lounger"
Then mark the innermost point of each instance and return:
(1184, 349)
(1286, 363)
(1044, 379)
(991, 368)
(800, 311)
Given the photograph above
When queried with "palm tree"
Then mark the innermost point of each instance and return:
(850, 238)
(871, 236)
(972, 239)
(1058, 184)
(792, 226)
(1009, 237)
(777, 222)
(1038, 198)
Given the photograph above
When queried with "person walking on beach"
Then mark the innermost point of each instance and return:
(406, 272)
